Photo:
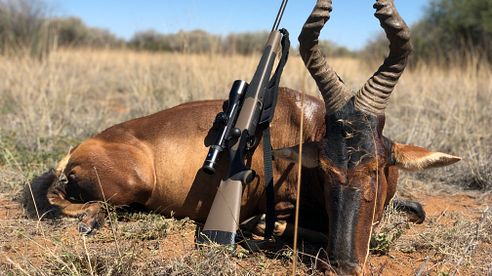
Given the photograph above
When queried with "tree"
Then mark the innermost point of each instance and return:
(23, 29)
(245, 43)
(454, 26)
(449, 30)
(72, 32)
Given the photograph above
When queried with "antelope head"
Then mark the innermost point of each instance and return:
(359, 164)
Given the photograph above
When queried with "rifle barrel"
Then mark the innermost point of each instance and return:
(279, 15)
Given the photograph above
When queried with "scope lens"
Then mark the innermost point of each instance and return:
(211, 160)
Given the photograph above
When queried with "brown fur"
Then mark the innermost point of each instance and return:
(155, 161)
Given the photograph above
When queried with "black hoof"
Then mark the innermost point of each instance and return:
(412, 207)
(84, 229)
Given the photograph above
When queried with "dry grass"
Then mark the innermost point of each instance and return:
(448, 109)
(129, 244)
(450, 242)
(48, 106)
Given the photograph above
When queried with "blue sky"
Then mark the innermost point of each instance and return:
(352, 22)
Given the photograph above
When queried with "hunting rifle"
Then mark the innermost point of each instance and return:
(248, 110)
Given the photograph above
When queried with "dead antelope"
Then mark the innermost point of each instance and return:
(349, 174)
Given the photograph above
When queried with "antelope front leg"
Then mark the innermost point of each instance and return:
(91, 215)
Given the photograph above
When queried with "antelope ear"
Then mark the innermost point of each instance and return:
(413, 158)
(310, 154)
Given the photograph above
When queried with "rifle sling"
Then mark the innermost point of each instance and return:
(269, 187)
(270, 102)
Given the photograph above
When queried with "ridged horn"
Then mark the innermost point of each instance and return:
(374, 95)
(335, 93)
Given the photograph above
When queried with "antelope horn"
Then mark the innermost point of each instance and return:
(374, 95)
(334, 92)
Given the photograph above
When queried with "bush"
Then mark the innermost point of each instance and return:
(245, 43)
(26, 29)
(151, 41)
(72, 32)
(332, 49)
(196, 41)
(23, 29)
(199, 41)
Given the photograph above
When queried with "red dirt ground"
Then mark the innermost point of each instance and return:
(26, 245)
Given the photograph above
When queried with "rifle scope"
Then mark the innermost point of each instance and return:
(226, 121)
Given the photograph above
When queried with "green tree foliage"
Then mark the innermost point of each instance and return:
(449, 30)
(453, 27)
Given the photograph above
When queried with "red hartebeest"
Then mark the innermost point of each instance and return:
(349, 172)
